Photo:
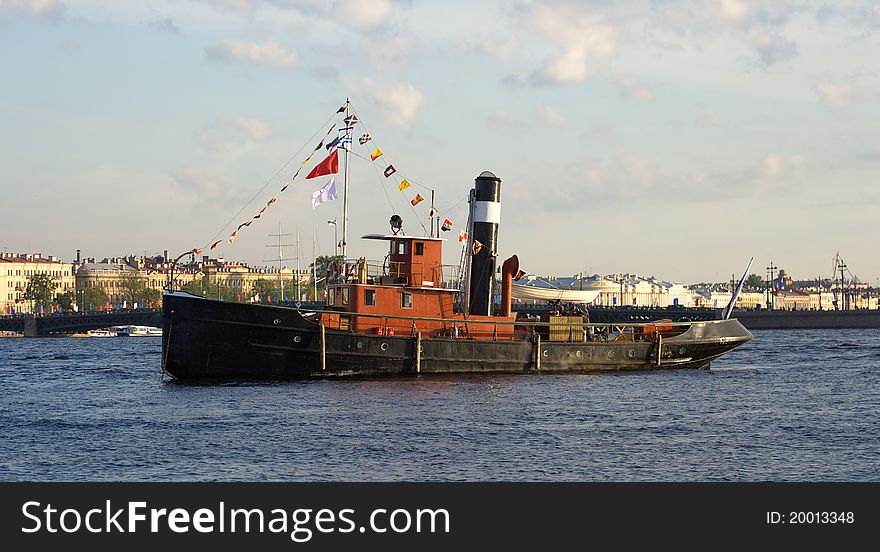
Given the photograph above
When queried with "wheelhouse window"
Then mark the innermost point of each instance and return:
(331, 296)
(401, 247)
(406, 300)
(370, 297)
(344, 295)
(419, 248)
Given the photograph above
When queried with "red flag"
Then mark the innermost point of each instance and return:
(327, 166)
(215, 244)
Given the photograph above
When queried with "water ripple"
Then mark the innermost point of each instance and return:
(789, 406)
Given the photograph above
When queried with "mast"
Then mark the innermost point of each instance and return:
(345, 188)
(280, 262)
(298, 254)
(280, 245)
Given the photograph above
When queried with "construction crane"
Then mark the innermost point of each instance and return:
(839, 272)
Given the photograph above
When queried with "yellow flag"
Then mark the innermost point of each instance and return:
(376, 154)
(402, 186)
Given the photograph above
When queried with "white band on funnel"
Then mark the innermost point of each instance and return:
(487, 211)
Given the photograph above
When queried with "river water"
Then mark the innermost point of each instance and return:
(796, 405)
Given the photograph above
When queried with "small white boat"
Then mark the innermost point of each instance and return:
(139, 331)
(103, 333)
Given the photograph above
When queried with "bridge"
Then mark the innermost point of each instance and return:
(38, 326)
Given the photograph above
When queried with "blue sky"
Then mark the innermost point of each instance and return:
(674, 139)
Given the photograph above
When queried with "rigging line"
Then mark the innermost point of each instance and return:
(364, 157)
(391, 204)
(377, 145)
(381, 185)
(274, 176)
(414, 182)
(449, 209)
(418, 218)
(439, 211)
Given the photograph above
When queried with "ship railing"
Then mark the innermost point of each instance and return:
(364, 271)
(356, 271)
(499, 330)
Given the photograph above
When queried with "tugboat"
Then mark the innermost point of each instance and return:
(400, 318)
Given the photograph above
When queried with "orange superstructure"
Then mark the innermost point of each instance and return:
(410, 293)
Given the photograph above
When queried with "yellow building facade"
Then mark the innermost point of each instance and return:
(17, 268)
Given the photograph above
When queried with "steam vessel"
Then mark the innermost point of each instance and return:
(399, 318)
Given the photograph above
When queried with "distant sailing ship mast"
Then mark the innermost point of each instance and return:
(281, 258)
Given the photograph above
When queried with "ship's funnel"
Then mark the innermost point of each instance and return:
(486, 196)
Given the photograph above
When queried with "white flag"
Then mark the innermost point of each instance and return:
(326, 193)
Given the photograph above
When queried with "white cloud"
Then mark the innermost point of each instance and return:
(503, 118)
(855, 12)
(771, 47)
(238, 51)
(398, 102)
(583, 43)
(41, 8)
(842, 93)
(552, 117)
(772, 166)
(776, 166)
(361, 13)
(634, 88)
(355, 14)
(709, 119)
(232, 137)
(759, 25)
(258, 129)
(735, 10)
(835, 93)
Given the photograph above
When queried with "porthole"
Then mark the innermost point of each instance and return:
(578, 354)
(360, 344)
(682, 350)
(297, 338)
(546, 352)
(277, 321)
(384, 346)
(611, 354)
(631, 353)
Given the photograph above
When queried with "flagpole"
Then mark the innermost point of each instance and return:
(345, 191)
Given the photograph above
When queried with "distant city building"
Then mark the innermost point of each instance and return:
(16, 268)
(236, 281)
(233, 280)
(239, 277)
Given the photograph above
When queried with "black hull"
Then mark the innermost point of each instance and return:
(205, 339)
